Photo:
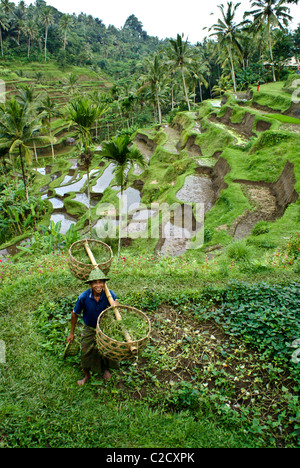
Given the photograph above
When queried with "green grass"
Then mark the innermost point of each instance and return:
(284, 118)
(242, 394)
(273, 96)
(42, 405)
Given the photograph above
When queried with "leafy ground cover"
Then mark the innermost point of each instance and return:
(220, 368)
(216, 373)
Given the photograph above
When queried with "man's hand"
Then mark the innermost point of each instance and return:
(70, 338)
(74, 319)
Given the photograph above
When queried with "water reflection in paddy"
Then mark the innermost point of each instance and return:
(66, 221)
(104, 180)
(131, 199)
(56, 203)
(83, 198)
(75, 187)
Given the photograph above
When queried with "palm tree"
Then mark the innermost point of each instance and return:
(179, 53)
(47, 19)
(7, 6)
(227, 32)
(198, 70)
(71, 82)
(65, 24)
(19, 17)
(123, 155)
(26, 96)
(84, 113)
(30, 29)
(103, 101)
(153, 78)
(4, 27)
(271, 12)
(20, 125)
(7, 12)
(49, 108)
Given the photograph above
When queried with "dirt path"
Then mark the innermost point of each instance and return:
(173, 139)
(265, 209)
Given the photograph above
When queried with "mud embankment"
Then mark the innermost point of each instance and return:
(269, 201)
(246, 126)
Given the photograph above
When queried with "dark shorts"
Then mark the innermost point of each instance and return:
(90, 357)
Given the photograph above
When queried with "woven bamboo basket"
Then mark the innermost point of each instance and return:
(118, 350)
(82, 270)
(71, 349)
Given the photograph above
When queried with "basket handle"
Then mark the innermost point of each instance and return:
(118, 316)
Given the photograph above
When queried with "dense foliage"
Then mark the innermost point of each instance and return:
(265, 316)
(222, 366)
(232, 54)
(18, 214)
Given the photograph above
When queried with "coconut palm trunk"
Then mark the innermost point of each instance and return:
(23, 173)
(232, 67)
(158, 104)
(185, 88)
(271, 52)
(89, 201)
(120, 151)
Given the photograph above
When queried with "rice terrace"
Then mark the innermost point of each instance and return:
(160, 180)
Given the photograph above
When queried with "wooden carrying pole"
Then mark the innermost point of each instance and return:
(111, 301)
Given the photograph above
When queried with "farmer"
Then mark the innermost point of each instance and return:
(92, 302)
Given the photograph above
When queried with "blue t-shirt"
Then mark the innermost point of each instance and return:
(91, 309)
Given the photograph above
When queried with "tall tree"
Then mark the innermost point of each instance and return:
(65, 24)
(3, 27)
(47, 19)
(50, 109)
(20, 125)
(153, 78)
(227, 32)
(199, 69)
(272, 13)
(119, 151)
(6, 9)
(30, 29)
(83, 113)
(180, 55)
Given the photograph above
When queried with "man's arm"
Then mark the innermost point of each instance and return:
(74, 318)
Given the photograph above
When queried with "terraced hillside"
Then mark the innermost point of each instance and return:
(60, 85)
(228, 155)
(239, 163)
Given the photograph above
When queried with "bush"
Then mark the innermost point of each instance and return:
(260, 228)
(17, 215)
(51, 239)
(293, 246)
(239, 250)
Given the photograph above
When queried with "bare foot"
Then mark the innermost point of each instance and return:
(84, 380)
(107, 375)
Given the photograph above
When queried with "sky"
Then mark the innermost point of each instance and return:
(161, 18)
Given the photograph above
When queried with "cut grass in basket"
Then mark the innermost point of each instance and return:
(100, 253)
(136, 326)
